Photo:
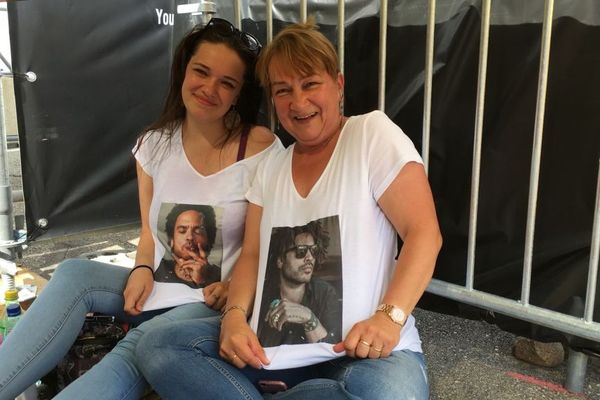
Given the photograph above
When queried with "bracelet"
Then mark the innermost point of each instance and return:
(311, 324)
(141, 266)
(242, 309)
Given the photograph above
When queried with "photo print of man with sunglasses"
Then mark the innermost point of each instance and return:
(297, 306)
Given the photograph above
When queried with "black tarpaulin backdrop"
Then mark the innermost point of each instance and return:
(102, 70)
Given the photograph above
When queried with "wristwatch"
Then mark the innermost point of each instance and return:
(396, 314)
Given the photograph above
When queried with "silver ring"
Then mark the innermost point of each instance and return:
(365, 343)
(275, 318)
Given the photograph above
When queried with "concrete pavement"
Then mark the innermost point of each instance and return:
(468, 360)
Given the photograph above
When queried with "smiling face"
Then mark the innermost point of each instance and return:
(213, 79)
(308, 107)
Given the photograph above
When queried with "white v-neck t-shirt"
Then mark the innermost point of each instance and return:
(175, 181)
(362, 245)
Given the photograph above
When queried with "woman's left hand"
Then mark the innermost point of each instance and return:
(215, 295)
(375, 337)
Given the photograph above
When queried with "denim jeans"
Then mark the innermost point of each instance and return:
(181, 361)
(50, 326)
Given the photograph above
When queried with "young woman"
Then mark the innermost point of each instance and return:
(321, 225)
(194, 166)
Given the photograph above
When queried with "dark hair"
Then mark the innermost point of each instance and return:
(174, 110)
(210, 222)
(283, 238)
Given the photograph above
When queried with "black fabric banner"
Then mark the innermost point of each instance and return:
(102, 70)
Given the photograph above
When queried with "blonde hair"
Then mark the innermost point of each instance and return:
(302, 49)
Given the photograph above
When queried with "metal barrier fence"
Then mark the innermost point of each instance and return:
(582, 327)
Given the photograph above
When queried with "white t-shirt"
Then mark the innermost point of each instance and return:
(361, 242)
(178, 186)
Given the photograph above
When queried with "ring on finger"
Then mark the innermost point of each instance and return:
(275, 318)
(365, 343)
(234, 356)
(379, 350)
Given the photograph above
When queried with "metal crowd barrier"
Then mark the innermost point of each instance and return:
(583, 327)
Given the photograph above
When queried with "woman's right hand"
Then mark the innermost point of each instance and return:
(239, 345)
(139, 286)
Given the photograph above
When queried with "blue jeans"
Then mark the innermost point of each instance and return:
(181, 361)
(50, 326)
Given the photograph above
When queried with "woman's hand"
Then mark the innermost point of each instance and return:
(375, 337)
(215, 295)
(238, 343)
(139, 286)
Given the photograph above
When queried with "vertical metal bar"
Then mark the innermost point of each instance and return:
(341, 33)
(269, 18)
(6, 211)
(592, 281)
(237, 13)
(383, 15)
(303, 10)
(537, 150)
(428, 78)
(476, 168)
(576, 370)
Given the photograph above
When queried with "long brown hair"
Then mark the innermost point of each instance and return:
(174, 110)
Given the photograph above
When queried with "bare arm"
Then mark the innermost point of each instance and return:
(140, 283)
(408, 204)
(238, 343)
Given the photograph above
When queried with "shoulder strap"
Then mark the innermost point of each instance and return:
(243, 142)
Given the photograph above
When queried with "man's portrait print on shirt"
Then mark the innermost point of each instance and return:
(302, 297)
(190, 235)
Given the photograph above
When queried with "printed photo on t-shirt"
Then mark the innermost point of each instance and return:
(191, 237)
(302, 297)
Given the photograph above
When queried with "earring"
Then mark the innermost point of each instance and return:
(341, 105)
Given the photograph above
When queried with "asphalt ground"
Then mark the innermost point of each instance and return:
(467, 359)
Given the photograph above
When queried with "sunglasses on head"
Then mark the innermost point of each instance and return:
(225, 28)
(302, 249)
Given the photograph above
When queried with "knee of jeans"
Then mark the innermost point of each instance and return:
(145, 344)
(72, 270)
(400, 377)
(147, 351)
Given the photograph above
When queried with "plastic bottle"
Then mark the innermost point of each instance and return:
(13, 313)
(11, 296)
(11, 316)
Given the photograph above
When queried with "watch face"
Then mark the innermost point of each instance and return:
(397, 314)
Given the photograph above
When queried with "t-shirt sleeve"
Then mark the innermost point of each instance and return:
(254, 194)
(388, 151)
(146, 151)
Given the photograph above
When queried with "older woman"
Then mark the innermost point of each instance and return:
(362, 181)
